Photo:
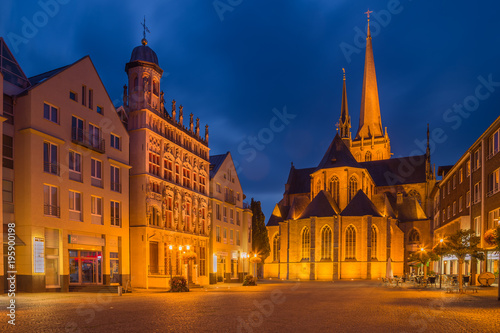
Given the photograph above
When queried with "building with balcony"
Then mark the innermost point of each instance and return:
(70, 150)
(169, 215)
(467, 198)
(231, 232)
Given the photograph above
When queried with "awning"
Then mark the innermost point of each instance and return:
(414, 263)
(18, 240)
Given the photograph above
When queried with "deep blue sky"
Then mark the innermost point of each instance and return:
(263, 55)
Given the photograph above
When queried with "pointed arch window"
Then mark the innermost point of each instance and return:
(155, 87)
(350, 242)
(276, 247)
(306, 244)
(374, 242)
(335, 188)
(414, 236)
(326, 243)
(368, 156)
(353, 187)
(416, 195)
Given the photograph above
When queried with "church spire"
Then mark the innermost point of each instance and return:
(370, 124)
(345, 119)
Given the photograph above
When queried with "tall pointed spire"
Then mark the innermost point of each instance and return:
(370, 123)
(345, 119)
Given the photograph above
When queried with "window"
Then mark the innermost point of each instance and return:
(494, 143)
(493, 218)
(467, 199)
(186, 178)
(368, 156)
(8, 196)
(96, 172)
(75, 206)
(50, 112)
(96, 209)
(276, 247)
(115, 213)
(477, 225)
(136, 84)
(115, 141)
(177, 174)
(238, 222)
(217, 211)
(353, 187)
(374, 242)
(306, 242)
(224, 213)
(217, 234)
(335, 189)
(444, 190)
(73, 96)
(477, 193)
(50, 164)
(448, 212)
(167, 170)
(8, 152)
(91, 99)
(414, 236)
(350, 243)
(8, 109)
(153, 258)
(77, 129)
(454, 181)
(448, 185)
(202, 261)
(100, 109)
(84, 95)
(231, 236)
(467, 167)
(154, 163)
(461, 176)
(476, 160)
(493, 182)
(454, 208)
(115, 179)
(95, 136)
(237, 237)
(218, 188)
(460, 204)
(202, 184)
(444, 215)
(50, 200)
(75, 166)
(224, 235)
(231, 214)
(326, 243)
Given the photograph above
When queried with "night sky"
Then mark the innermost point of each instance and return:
(232, 66)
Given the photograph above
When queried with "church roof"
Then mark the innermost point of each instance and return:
(215, 163)
(408, 210)
(299, 180)
(360, 205)
(397, 171)
(299, 204)
(322, 205)
(338, 155)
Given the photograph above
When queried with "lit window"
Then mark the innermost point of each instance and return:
(350, 242)
(51, 200)
(115, 213)
(306, 242)
(326, 243)
(50, 112)
(374, 242)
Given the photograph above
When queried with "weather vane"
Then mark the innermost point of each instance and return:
(145, 30)
(368, 12)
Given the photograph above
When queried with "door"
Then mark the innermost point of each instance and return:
(89, 271)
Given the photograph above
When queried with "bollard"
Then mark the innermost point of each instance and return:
(120, 290)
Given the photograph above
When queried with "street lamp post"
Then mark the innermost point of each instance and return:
(440, 264)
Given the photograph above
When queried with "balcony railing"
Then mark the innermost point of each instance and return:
(495, 189)
(51, 210)
(116, 187)
(230, 199)
(86, 139)
(52, 168)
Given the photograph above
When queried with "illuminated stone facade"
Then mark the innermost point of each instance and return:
(358, 208)
(169, 215)
(231, 232)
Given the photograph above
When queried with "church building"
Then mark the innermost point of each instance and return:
(358, 212)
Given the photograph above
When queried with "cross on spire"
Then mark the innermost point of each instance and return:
(144, 40)
(368, 12)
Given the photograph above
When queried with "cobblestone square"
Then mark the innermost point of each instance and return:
(272, 306)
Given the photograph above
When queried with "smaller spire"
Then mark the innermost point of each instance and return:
(144, 40)
(344, 123)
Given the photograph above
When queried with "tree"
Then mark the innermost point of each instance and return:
(423, 257)
(260, 238)
(462, 243)
(492, 237)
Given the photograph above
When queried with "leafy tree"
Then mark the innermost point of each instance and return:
(492, 237)
(424, 258)
(260, 238)
(460, 244)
